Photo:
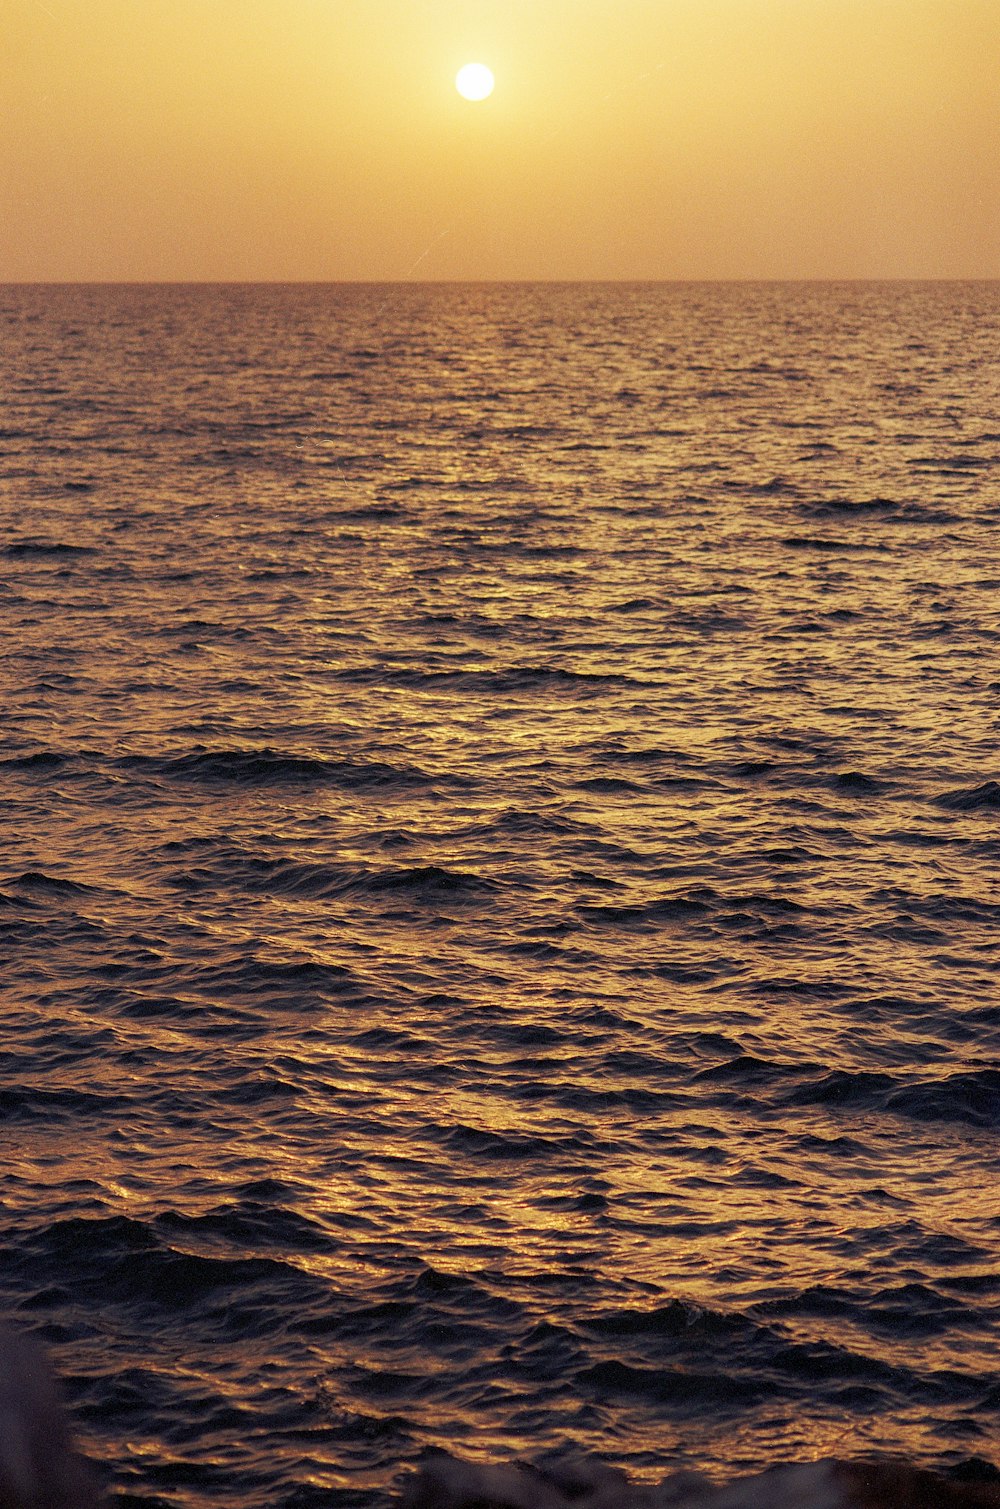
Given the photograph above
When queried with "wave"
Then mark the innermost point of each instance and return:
(121, 1262)
(878, 510)
(834, 546)
(543, 678)
(299, 986)
(27, 549)
(909, 1309)
(857, 781)
(984, 798)
(690, 1388)
(42, 760)
(44, 1105)
(16, 903)
(38, 880)
(481, 1142)
(264, 767)
(257, 1223)
(699, 902)
(970, 1098)
(686, 1356)
(283, 876)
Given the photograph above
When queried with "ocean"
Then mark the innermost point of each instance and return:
(498, 914)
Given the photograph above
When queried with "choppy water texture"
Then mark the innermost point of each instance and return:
(499, 926)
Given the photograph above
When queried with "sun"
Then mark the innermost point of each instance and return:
(474, 81)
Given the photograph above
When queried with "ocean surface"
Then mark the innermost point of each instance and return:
(499, 921)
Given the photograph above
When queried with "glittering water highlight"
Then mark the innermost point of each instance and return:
(498, 911)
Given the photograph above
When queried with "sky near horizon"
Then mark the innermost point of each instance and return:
(324, 139)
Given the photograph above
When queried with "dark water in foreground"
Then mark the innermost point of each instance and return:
(498, 916)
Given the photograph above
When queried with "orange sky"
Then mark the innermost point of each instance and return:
(324, 139)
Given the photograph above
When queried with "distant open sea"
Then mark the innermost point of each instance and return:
(499, 921)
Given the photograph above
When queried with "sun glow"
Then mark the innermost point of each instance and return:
(474, 81)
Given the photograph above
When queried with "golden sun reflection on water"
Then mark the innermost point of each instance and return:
(500, 871)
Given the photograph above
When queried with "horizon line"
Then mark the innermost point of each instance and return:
(406, 282)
